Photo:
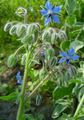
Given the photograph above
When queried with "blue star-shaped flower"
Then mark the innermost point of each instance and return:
(68, 56)
(18, 78)
(51, 13)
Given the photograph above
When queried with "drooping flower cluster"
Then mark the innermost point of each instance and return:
(68, 56)
(50, 13)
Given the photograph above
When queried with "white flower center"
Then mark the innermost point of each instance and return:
(49, 12)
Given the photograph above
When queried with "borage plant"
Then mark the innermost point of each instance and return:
(46, 75)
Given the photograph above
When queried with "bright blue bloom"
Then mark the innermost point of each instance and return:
(18, 77)
(68, 56)
(51, 13)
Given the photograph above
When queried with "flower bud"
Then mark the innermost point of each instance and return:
(11, 61)
(31, 33)
(33, 28)
(54, 37)
(8, 26)
(21, 29)
(21, 12)
(29, 39)
(47, 35)
(62, 35)
(13, 30)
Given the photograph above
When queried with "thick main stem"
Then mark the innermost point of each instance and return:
(21, 106)
(79, 106)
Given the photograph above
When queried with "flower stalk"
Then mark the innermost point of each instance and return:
(79, 106)
(37, 87)
(40, 84)
(21, 106)
(18, 49)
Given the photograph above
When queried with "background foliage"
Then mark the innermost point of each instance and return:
(56, 98)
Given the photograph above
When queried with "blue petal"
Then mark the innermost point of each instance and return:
(75, 57)
(48, 5)
(18, 77)
(18, 73)
(47, 20)
(56, 9)
(55, 19)
(19, 81)
(44, 12)
(71, 52)
(62, 60)
(63, 54)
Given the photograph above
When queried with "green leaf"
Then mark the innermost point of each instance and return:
(81, 93)
(38, 99)
(71, 20)
(30, 117)
(76, 81)
(75, 32)
(77, 45)
(81, 69)
(11, 97)
(60, 92)
(58, 110)
(64, 45)
(70, 6)
(78, 90)
(65, 117)
(81, 34)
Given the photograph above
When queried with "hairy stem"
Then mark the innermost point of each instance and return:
(36, 88)
(18, 49)
(79, 106)
(21, 106)
(39, 85)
